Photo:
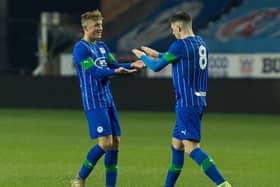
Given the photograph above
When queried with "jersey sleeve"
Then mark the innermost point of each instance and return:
(172, 55)
(80, 53)
(175, 51)
(113, 63)
(154, 65)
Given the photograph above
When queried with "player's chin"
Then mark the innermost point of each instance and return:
(98, 36)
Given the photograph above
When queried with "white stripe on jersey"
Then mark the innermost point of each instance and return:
(200, 94)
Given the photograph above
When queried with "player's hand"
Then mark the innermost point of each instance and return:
(138, 64)
(138, 53)
(151, 52)
(122, 70)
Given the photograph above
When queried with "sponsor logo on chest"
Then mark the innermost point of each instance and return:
(101, 62)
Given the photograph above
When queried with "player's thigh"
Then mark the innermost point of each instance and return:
(190, 145)
(116, 143)
(177, 144)
(106, 142)
(99, 122)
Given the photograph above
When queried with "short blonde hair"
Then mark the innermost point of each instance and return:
(93, 15)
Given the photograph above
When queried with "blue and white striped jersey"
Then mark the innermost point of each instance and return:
(190, 71)
(94, 64)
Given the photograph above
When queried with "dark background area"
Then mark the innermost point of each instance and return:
(22, 28)
(227, 96)
(19, 22)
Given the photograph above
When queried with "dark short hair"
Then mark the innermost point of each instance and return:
(181, 16)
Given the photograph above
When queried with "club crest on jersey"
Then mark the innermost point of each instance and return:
(99, 129)
(102, 50)
(101, 62)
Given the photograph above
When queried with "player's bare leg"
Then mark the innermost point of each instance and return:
(189, 146)
(105, 142)
(177, 144)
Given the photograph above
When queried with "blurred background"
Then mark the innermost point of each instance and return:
(37, 38)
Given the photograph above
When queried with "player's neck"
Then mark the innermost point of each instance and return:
(87, 39)
(187, 34)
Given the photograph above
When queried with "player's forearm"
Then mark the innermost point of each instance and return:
(125, 65)
(113, 62)
(116, 65)
(154, 65)
(99, 73)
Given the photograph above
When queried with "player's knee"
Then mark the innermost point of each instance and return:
(106, 145)
(190, 149)
(116, 142)
(177, 144)
(190, 146)
(178, 147)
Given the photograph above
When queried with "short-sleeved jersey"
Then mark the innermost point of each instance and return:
(94, 64)
(190, 71)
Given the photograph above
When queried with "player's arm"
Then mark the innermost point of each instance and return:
(155, 64)
(151, 52)
(83, 59)
(89, 63)
(115, 64)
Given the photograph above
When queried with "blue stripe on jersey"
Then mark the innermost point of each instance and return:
(189, 77)
(95, 90)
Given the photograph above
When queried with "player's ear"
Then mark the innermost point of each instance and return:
(85, 28)
(179, 28)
